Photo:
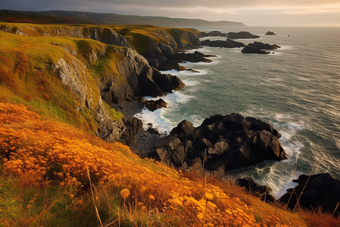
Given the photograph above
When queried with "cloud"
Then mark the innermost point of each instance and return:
(90, 5)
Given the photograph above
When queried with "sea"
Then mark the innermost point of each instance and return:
(296, 88)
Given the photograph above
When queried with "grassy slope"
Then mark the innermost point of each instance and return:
(46, 168)
(27, 75)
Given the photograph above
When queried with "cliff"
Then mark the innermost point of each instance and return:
(70, 72)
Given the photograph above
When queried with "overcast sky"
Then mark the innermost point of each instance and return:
(250, 12)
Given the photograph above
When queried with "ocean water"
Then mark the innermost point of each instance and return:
(296, 88)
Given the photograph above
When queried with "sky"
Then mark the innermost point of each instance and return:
(250, 12)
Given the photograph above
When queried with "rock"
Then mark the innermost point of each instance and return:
(153, 105)
(192, 57)
(253, 50)
(265, 46)
(223, 142)
(261, 191)
(219, 43)
(153, 131)
(242, 35)
(124, 131)
(213, 33)
(167, 82)
(321, 190)
(270, 33)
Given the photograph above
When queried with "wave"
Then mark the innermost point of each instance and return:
(185, 72)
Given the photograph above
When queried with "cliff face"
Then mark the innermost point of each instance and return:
(73, 71)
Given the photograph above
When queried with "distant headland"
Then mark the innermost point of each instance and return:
(111, 18)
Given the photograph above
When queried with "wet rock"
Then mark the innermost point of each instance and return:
(242, 35)
(261, 191)
(221, 142)
(319, 190)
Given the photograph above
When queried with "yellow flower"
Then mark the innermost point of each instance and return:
(151, 197)
(209, 196)
(124, 193)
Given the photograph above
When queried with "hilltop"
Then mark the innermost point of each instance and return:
(111, 18)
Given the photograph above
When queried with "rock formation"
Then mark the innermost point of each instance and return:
(213, 33)
(261, 191)
(270, 33)
(264, 46)
(229, 43)
(153, 105)
(242, 35)
(253, 50)
(222, 142)
(319, 190)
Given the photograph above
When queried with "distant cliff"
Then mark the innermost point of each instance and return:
(109, 18)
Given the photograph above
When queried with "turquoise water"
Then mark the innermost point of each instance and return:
(297, 89)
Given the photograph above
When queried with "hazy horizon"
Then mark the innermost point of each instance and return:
(298, 13)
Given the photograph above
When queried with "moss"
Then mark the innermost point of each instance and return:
(115, 115)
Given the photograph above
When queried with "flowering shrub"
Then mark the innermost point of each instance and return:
(38, 150)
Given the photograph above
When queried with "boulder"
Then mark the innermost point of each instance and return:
(220, 43)
(242, 35)
(319, 190)
(270, 33)
(153, 105)
(253, 50)
(264, 46)
(192, 57)
(222, 142)
(213, 33)
(261, 191)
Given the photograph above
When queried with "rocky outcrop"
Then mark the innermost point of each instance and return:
(213, 33)
(270, 33)
(104, 35)
(264, 46)
(153, 105)
(242, 35)
(123, 131)
(222, 142)
(319, 190)
(253, 50)
(261, 191)
(220, 43)
(192, 57)
(140, 79)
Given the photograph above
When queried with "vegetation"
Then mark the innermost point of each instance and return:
(52, 172)
(28, 74)
(71, 17)
(36, 18)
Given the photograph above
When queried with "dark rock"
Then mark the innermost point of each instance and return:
(153, 130)
(321, 190)
(167, 82)
(270, 33)
(242, 35)
(153, 105)
(220, 43)
(124, 131)
(213, 33)
(265, 46)
(223, 142)
(261, 191)
(192, 57)
(253, 50)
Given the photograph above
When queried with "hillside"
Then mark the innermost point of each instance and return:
(12, 16)
(52, 172)
(111, 18)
